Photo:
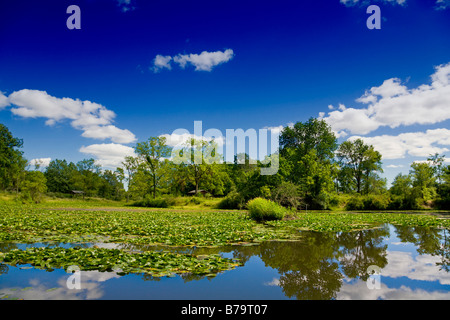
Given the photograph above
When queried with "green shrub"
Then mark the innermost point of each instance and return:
(287, 194)
(370, 202)
(159, 202)
(233, 200)
(194, 200)
(376, 202)
(355, 203)
(262, 209)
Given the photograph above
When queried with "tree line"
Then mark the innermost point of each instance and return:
(315, 172)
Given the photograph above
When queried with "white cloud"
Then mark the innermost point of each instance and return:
(3, 101)
(92, 118)
(274, 283)
(204, 61)
(394, 166)
(161, 62)
(42, 162)
(419, 144)
(109, 132)
(393, 104)
(275, 130)
(108, 155)
(401, 264)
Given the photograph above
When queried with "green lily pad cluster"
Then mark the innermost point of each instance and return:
(150, 227)
(154, 263)
(344, 221)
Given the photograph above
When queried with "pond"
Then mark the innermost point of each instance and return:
(390, 262)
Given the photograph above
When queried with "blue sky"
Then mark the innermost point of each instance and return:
(141, 68)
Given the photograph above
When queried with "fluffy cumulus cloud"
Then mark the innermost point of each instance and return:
(392, 104)
(204, 61)
(418, 144)
(108, 155)
(41, 162)
(161, 62)
(92, 118)
(416, 268)
(3, 101)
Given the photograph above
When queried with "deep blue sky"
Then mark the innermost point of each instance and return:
(291, 60)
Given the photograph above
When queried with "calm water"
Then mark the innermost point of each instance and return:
(410, 263)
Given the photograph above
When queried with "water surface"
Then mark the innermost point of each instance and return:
(410, 263)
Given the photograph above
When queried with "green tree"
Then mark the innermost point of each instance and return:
(87, 176)
(402, 185)
(197, 161)
(12, 162)
(307, 150)
(110, 186)
(360, 162)
(34, 185)
(437, 162)
(59, 175)
(130, 166)
(444, 189)
(423, 182)
(314, 134)
(154, 153)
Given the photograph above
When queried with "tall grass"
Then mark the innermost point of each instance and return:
(261, 210)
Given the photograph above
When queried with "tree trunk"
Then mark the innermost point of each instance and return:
(154, 186)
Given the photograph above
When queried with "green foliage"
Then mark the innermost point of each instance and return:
(262, 210)
(34, 186)
(368, 202)
(355, 203)
(194, 200)
(12, 162)
(151, 227)
(376, 202)
(444, 189)
(359, 163)
(160, 202)
(154, 263)
(288, 195)
(344, 222)
(308, 148)
(234, 200)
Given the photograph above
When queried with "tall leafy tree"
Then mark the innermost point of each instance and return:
(87, 177)
(59, 175)
(198, 159)
(423, 181)
(154, 153)
(12, 162)
(34, 185)
(314, 134)
(308, 150)
(359, 162)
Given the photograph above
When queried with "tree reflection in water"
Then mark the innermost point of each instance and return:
(314, 267)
